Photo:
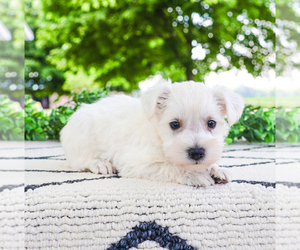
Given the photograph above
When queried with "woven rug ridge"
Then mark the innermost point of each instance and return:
(44, 205)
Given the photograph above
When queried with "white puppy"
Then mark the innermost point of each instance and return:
(175, 133)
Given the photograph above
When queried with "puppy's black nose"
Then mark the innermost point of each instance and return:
(196, 153)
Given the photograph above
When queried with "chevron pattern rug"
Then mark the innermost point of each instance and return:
(44, 205)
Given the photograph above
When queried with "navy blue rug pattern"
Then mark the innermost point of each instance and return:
(152, 232)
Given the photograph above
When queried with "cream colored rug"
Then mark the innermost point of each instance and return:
(44, 205)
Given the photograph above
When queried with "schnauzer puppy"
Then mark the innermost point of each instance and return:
(175, 133)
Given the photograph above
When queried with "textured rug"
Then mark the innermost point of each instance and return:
(46, 206)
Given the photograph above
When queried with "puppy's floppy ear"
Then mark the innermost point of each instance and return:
(231, 104)
(154, 99)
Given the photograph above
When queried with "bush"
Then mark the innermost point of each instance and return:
(57, 120)
(88, 96)
(12, 123)
(40, 126)
(35, 121)
(269, 125)
(288, 125)
(256, 124)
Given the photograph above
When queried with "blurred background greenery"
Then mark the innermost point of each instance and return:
(73, 45)
(120, 43)
(102, 43)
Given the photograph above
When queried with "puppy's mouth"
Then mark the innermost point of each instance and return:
(197, 162)
(200, 162)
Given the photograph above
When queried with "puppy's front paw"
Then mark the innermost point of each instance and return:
(220, 175)
(102, 167)
(197, 179)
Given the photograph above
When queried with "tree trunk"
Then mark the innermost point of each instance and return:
(190, 77)
(189, 61)
(188, 70)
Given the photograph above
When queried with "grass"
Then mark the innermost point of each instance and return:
(267, 102)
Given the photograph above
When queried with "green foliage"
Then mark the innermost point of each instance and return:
(12, 123)
(12, 50)
(57, 120)
(287, 25)
(35, 121)
(122, 42)
(88, 96)
(41, 126)
(79, 80)
(267, 125)
(255, 125)
(288, 125)
(41, 78)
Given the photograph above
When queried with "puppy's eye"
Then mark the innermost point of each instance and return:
(175, 125)
(211, 124)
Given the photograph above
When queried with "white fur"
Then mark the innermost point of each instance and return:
(134, 136)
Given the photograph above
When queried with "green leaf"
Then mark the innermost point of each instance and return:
(228, 140)
(63, 119)
(293, 138)
(270, 138)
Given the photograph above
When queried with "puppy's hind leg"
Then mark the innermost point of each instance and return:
(99, 166)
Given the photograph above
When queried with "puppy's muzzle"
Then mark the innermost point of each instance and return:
(196, 153)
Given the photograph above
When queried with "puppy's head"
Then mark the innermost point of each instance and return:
(189, 119)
